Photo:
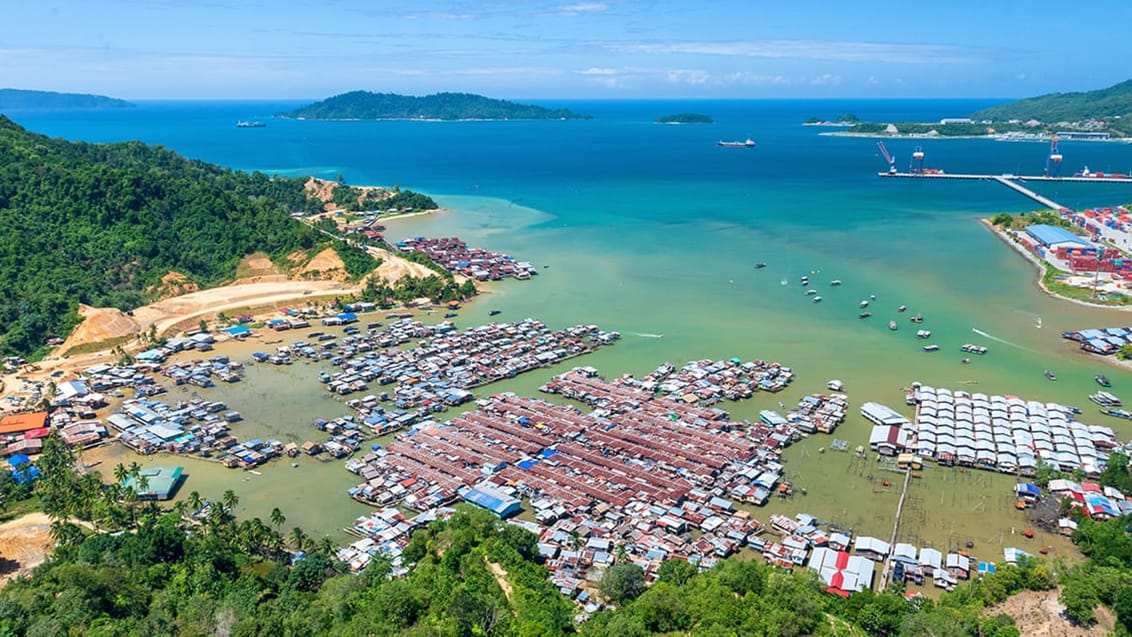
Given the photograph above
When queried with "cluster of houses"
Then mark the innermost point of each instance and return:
(440, 369)
(454, 255)
(196, 427)
(645, 477)
(1005, 433)
(1104, 341)
(708, 382)
(1099, 503)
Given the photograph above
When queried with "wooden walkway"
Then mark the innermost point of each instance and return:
(887, 571)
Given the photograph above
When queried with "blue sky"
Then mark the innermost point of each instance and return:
(175, 49)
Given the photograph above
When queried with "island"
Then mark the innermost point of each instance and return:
(685, 118)
(13, 98)
(365, 105)
(1099, 115)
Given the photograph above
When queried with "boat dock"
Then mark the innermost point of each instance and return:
(1014, 182)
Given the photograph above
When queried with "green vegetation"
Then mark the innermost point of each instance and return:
(355, 199)
(12, 98)
(847, 118)
(926, 128)
(1020, 221)
(439, 289)
(1112, 104)
(685, 118)
(101, 224)
(135, 570)
(444, 106)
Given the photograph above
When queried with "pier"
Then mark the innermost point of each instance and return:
(1014, 182)
(887, 571)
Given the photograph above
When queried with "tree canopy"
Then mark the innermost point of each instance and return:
(444, 106)
(101, 224)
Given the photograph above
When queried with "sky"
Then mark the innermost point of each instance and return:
(584, 49)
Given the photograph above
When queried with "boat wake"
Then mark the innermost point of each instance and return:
(995, 338)
(647, 335)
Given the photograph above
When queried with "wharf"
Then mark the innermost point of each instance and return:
(1014, 182)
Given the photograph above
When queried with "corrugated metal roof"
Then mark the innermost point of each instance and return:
(1048, 235)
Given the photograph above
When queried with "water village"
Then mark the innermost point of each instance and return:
(454, 255)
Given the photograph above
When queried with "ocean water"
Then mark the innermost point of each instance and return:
(653, 231)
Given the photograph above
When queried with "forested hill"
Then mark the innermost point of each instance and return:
(12, 98)
(101, 223)
(1105, 104)
(443, 106)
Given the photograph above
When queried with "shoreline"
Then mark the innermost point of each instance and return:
(995, 138)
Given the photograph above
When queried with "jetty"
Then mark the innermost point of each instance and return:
(1014, 182)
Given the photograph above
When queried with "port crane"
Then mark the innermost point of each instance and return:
(917, 165)
(887, 157)
(1053, 162)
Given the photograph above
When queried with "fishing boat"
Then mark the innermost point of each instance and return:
(1050, 375)
(1117, 413)
(805, 280)
(760, 265)
(864, 315)
(902, 308)
(872, 297)
(835, 385)
(1102, 380)
(1105, 399)
(817, 299)
(917, 318)
(892, 325)
(930, 348)
(747, 143)
(495, 312)
(835, 282)
(864, 303)
(923, 334)
(811, 292)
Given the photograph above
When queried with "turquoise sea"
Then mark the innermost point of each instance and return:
(653, 231)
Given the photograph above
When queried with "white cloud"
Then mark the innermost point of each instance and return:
(580, 8)
(438, 15)
(825, 80)
(690, 77)
(810, 49)
(594, 70)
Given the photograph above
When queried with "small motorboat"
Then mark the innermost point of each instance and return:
(495, 312)
(811, 292)
(966, 361)
(864, 315)
(923, 334)
(1105, 399)
(892, 325)
(917, 318)
(817, 299)
(864, 303)
(930, 348)
(835, 282)
(1050, 375)
(835, 385)
(1118, 413)
(872, 297)
(1102, 380)
(760, 265)
(902, 308)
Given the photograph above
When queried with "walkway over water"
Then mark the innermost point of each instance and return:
(1014, 182)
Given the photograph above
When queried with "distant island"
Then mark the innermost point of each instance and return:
(1099, 115)
(364, 105)
(685, 118)
(12, 98)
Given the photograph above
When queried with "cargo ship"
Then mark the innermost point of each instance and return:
(748, 143)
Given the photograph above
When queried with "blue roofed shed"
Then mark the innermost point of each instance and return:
(493, 500)
(160, 482)
(1048, 236)
(239, 331)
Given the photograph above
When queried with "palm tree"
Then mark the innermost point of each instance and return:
(299, 539)
(326, 546)
(180, 507)
(230, 499)
(277, 518)
(120, 472)
(195, 503)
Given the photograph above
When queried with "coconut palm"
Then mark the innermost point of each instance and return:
(195, 502)
(120, 472)
(299, 539)
(277, 518)
(230, 499)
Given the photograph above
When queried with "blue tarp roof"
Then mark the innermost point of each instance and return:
(527, 464)
(239, 329)
(494, 501)
(19, 459)
(1048, 234)
(546, 453)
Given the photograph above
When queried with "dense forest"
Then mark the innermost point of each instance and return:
(125, 567)
(101, 224)
(13, 98)
(445, 106)
(1109, 104)
(684, 118)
